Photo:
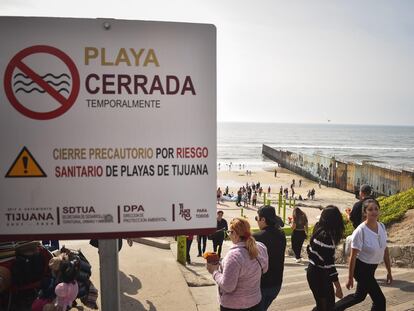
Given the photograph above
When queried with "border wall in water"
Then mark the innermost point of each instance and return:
(346, 176)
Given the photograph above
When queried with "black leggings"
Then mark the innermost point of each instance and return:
(298, 237)
(321, 287)
(367, 284)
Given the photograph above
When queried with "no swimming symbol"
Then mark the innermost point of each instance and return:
(29, 81)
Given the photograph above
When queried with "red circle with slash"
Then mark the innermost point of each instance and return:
(17, 62)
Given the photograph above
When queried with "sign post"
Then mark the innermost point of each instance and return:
(99, 129)
(113, 131)
(109, 274)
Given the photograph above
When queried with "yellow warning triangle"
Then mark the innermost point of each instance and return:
(25, 165)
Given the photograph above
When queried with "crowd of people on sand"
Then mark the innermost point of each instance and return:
(249, 193)
(250, 275)
(234, 166)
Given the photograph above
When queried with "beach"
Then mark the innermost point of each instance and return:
(238, 178)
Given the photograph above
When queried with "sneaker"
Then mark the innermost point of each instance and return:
(298, 260)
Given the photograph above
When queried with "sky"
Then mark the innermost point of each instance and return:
(350, 62)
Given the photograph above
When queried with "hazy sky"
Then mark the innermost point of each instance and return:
(287, 61)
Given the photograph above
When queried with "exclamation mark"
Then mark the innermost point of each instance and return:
(25, 161)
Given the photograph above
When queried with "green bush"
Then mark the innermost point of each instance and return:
(392, 209)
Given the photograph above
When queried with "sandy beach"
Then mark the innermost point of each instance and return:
(324, 196)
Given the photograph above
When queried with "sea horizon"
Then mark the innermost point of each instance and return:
(390, 146)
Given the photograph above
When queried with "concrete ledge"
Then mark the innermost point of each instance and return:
(159, 243)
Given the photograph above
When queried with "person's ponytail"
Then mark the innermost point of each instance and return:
(242, 228)
(252, 247)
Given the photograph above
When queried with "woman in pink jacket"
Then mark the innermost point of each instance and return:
(238, 274)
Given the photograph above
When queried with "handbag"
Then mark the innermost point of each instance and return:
(347, 246)
(348, 242)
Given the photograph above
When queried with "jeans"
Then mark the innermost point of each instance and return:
(268, 295)
(52, 245)
(201, 243)
(367, 284)
(217, 246)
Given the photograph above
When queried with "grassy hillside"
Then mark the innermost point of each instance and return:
(393, 208)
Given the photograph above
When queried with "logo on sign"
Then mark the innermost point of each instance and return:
(183, 212)
(36, 92)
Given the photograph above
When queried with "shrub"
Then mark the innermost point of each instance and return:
(392, 208)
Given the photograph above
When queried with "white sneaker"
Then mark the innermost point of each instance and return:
(298, 260)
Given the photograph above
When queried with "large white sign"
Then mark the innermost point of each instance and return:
(107, 128)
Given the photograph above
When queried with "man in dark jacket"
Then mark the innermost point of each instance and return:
(274, 238)
(356, 214)
(218, 236)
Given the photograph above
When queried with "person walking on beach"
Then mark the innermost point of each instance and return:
(238, 275)
(219, 194)
(356, 213)
(239, 197)
(300, 182)
(245, 200)
(268, 190)
(254, 199)
(218, 236)
(299, 232)
(275, 173)
(249, 194)
(274, 239)
(368, 249)
(321, 273)
(312, 193)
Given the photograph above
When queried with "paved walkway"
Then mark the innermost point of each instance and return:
(150, 278)
(295, 293)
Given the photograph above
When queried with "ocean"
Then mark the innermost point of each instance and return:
(386, 146)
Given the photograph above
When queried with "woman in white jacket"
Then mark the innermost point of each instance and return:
(368, 249)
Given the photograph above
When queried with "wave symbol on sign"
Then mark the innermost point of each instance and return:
(56, 80)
